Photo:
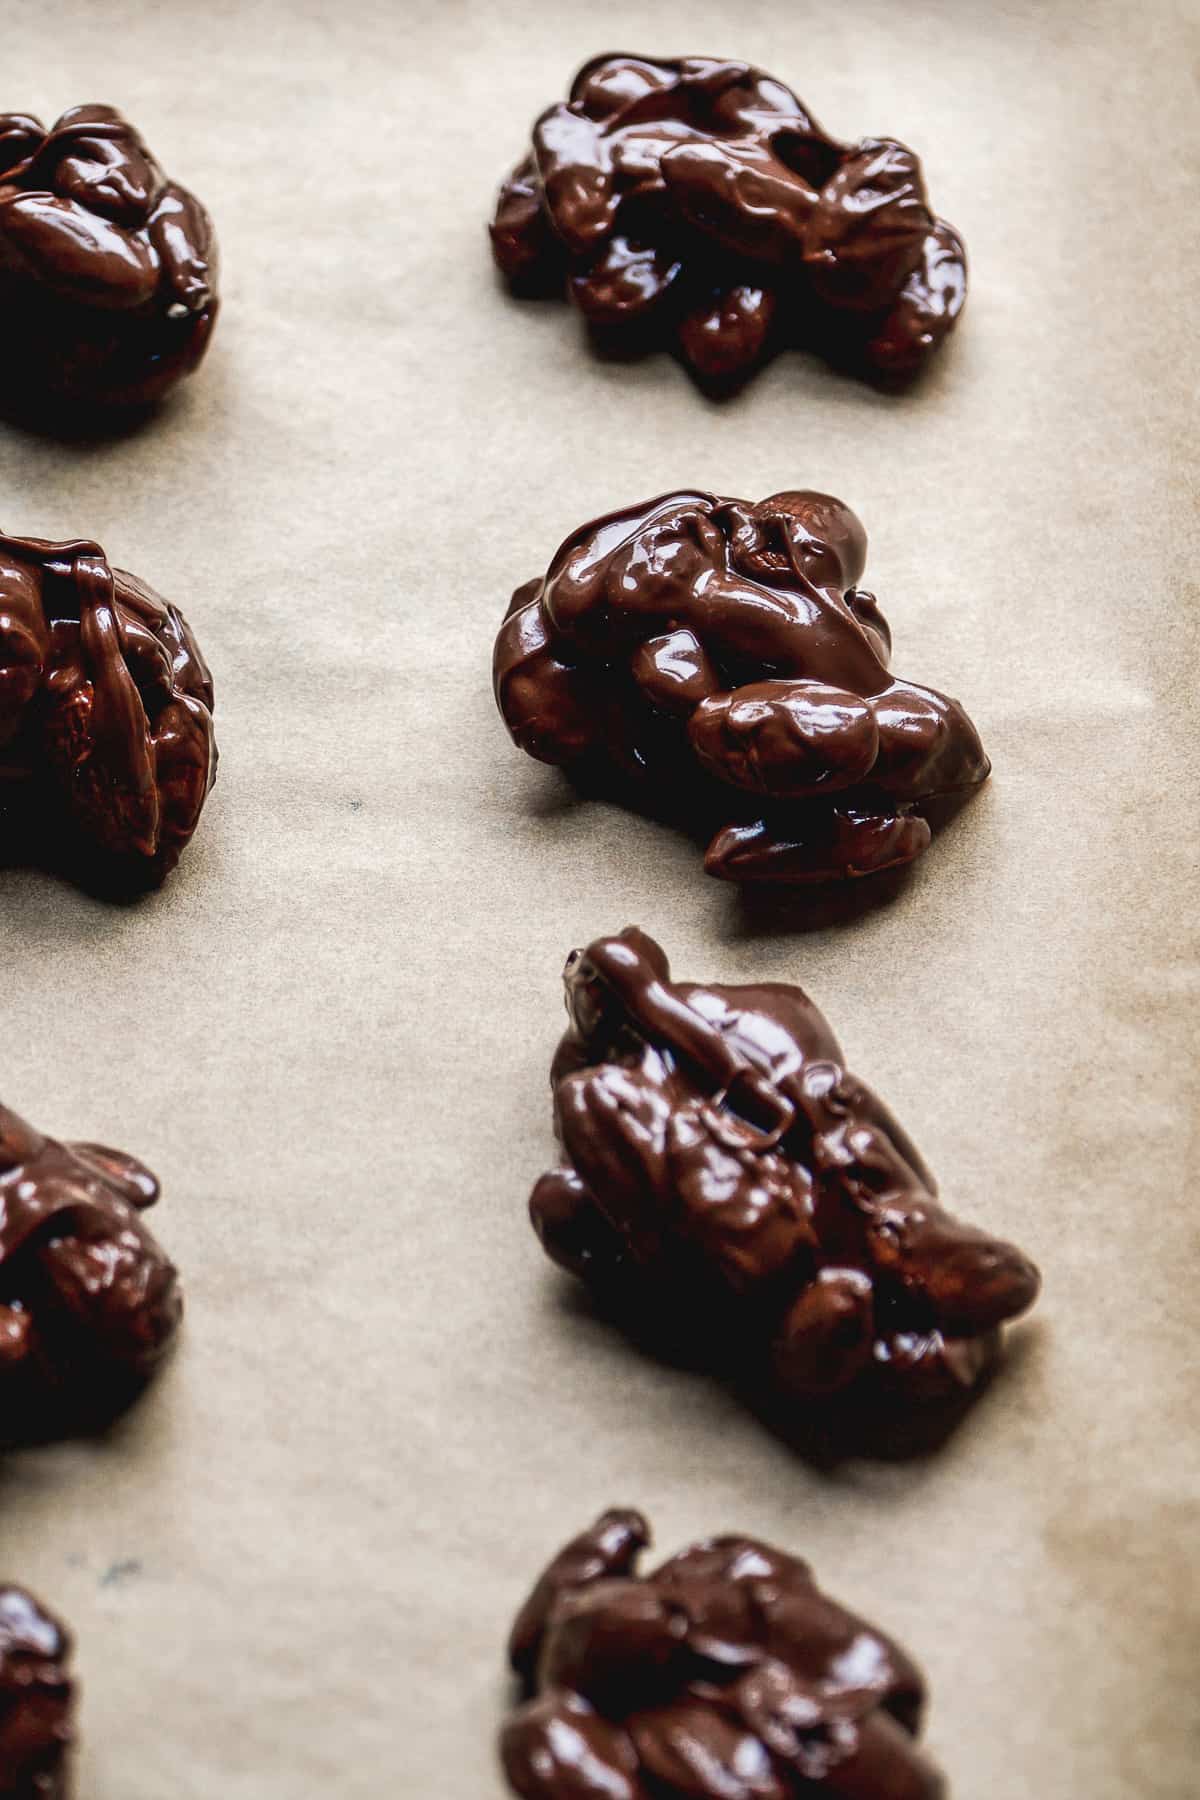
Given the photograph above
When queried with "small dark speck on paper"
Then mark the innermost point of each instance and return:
(120, 1572)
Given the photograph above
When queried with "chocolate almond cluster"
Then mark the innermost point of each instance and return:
(720, 657)
(695, 205)
(722, 1169)
(89, 1303)
(37, 1701)
(724, 1675)
(106, 731)
(107, 269)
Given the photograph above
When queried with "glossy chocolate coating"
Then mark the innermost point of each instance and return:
(105, 707)
(37, 1701)
(107, 269)
(696, 205)
(724, 1675)
(720, 656)
(89, 1303)
(722, 1168)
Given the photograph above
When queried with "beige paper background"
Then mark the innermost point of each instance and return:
(292, 1568)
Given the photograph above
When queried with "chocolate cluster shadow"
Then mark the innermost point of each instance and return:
(38, 415)
(626, 346)
(851, 1427)
(760, 910)
(90, 1408)
(36, 833)
(696, 808)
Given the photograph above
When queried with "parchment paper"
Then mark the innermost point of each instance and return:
(292, 1568)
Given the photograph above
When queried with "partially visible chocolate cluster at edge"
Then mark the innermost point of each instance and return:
(107, 269)
(724, 1675)
(720, 656)
(722, 1168)
(89, 1303)
(696, 205)
(106, 731)
(37, 1701)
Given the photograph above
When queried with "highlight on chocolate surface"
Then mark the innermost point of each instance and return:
(718, 658)
(726, 1674)
(725, 1179)
(695, 205)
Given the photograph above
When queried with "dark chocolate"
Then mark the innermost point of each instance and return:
(107, 269)
(724, 1174)
(724, 1675)
(89, 1303)
(695, 205)
(719, 657)
(37, 1701)
(106, 731)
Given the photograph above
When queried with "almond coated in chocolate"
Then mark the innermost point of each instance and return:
(723, 1169)
(695, 205)
(724, 1675)
(106, 732)
(107, 269)
(89, 1303)
(37, 1700)
(719, 657)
